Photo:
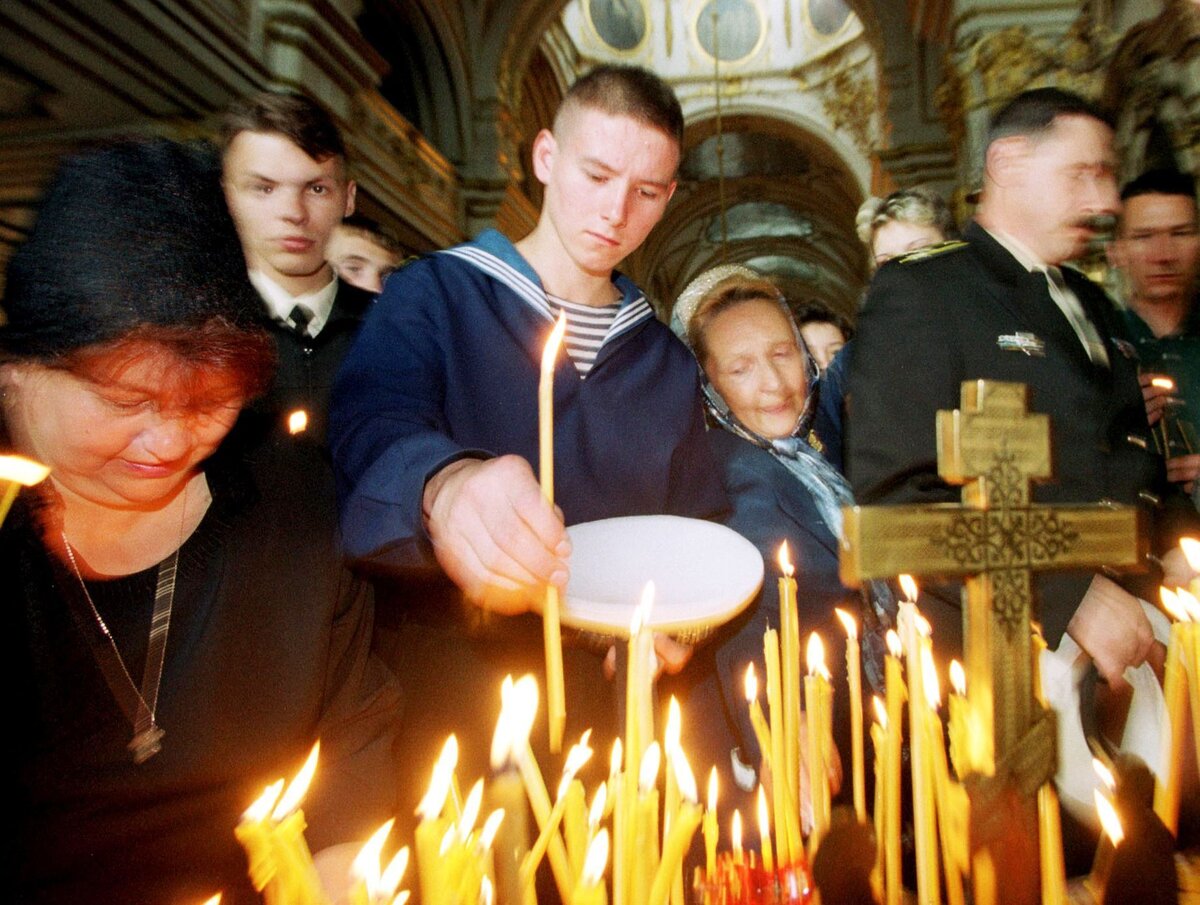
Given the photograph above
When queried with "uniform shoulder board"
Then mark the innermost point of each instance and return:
(931, 251)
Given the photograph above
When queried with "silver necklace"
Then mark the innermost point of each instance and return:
(138, 705)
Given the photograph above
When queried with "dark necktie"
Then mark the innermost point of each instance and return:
(299, 319)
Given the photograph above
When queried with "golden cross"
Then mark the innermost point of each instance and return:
(996, 538)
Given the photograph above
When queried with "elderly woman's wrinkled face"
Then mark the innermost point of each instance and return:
(127, 433)
(754, 362)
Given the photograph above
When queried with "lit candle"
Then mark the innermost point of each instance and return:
(590, 889)
(951, 832)
(254, 833)
(506, 793)
(1166, 793)
(297, 422)
(958, 718)
(735, 833)
(1097, 880)
(879, 731)
(817, 699)
(762, 732)
(779, 779)
(710, 829)
(556, 706)
(522, 696)
(621, 819)
(683, 827)
(297, 875)
(896, 693)
(1053, 867)
(764, 831)
(789, 637)
(17, 472)
(924, 828)
(433, 825)
(854, 682)
(575, 826)
(366, 870)
(671, 801)
(645, 853)
(576, 758)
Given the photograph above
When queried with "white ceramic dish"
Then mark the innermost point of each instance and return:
(704, 574)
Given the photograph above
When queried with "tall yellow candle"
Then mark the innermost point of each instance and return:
(254, 833)
(735, 833)
(591, 890)
(671, 802)
(789, 637)
(947, 823)
(816, 699)
(762, 732)
(296, 873)
(645, 857)
(854, 684)
(879, 730)
(896, 693)
(924, 829)
(764, 831)
(779, 784)
(710, 830)
(433, 826)
(506, 793)
(621, 817)
(1166, 792)
(1050, 846)
(958, 718)
(551, 630)
(683, 826)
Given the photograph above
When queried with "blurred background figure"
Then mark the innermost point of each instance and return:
(1157, 249)
(175, 605)
(361, 254)
(904, 221)
(825, 331)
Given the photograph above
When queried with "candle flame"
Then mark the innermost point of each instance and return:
(491, 826)
(893, 643)
(1170, 602)
(909, 586)
(641, 614)
(764, 816)
(365, 866)
(1108, 818)
(297, 422)
(470, 811)
(924, 629)
(431, 805)
(1191, 552)
(401, 898)
(394, 872)
(23, 471)
(1163, 383)
(880, 710)
(550, 350)
(298, 786)
(735, 831)
(712, 790)
(447, 841)
(751, 683)
(848, 623)
(518, 709)
(1189, 603)
(683, 774)
(261, 809)
(648, 774)
(614, 761)
(599, 802)
(579, 755)
(785, 561)
(1105, 774)
(933, 690)
(958, 678)
(215, 900)
(596, 861)
(673, 729)
(486, 892)
(815, 657)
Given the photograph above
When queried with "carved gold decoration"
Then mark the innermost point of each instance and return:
(849, 101)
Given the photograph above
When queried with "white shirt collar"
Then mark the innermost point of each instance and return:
(280, 302)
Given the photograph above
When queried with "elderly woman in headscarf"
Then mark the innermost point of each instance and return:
(176, 614)
(760, 390)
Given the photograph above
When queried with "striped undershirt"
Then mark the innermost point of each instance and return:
(586, 329)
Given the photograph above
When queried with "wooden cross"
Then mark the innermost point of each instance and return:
(996, 538)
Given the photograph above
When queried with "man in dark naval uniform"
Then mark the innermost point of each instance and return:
(283, 166)
(999, 306)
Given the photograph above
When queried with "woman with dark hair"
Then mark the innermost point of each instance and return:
(177, 613)
(760, 391)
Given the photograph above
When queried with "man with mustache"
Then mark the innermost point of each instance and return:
(1000, 306)
(1158, 249)
(283, 168)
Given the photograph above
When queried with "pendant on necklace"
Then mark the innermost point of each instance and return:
(146, 744)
